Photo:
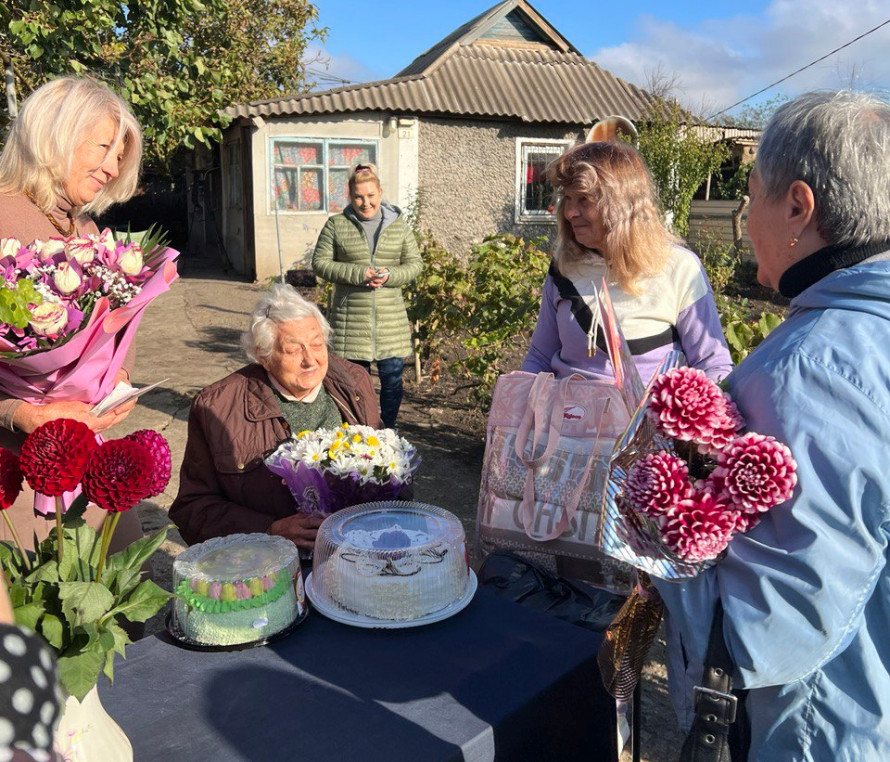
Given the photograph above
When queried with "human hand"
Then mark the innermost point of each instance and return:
(375, 277)
(6, 616)
(300, 529)
(28, 417)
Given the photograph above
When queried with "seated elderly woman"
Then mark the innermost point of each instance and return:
(293, 384)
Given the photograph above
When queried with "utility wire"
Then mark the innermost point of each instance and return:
(331, 77)
(802, 68)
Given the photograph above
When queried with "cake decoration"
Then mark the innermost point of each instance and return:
(237, 589)
(392, 561)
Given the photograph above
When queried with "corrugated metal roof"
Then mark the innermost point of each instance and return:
(481, 80)
(464, 75)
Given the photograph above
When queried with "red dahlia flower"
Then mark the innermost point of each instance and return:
(55, 455)
(119, 475)
(686, 405)
(757, 472)
(10, 479)
(699, 528)
(160, 451)
(656, 483)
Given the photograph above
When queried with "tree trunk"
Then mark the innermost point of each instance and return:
(737, 223)
(11, 100)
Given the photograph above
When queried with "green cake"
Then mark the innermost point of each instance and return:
(236, 590)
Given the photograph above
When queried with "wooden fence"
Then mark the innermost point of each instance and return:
(711, 222)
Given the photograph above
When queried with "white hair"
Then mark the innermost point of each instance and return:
(838, 143)
(52, 123)
(280, 304)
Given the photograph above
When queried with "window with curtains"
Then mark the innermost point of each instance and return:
(535, 200)
(310, 174)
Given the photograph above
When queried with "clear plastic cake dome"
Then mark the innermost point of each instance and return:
(396, 560)
(236, 589)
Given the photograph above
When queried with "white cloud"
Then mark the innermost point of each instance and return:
(720, 61)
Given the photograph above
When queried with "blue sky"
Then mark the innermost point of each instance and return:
(717, 52)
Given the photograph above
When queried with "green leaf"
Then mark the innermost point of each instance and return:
(75, 510)
(79, 671)
(137, 553)
(53, 631)
(28, 615)
(46, 572)
(122, 582)
(85, 601)
(145, 601)
(121, 639)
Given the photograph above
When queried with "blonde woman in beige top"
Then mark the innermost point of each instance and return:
(74, 149)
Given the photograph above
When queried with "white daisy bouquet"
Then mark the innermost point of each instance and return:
(330, 469)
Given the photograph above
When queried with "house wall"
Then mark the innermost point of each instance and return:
(397, 161)
(467, 179)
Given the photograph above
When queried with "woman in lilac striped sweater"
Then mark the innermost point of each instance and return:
(610, 227)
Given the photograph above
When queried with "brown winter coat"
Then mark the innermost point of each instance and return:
(224, 487)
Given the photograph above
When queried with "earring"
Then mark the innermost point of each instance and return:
(793, 242)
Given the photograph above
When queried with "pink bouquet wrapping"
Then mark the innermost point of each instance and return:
(70, 308)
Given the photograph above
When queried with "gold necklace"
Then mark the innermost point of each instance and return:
(72, 228)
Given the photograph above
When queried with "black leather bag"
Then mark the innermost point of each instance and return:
(719, 731)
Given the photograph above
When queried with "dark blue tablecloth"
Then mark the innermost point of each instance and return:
(496, 681)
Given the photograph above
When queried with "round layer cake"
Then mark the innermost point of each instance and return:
(236, 589)
(396, 561)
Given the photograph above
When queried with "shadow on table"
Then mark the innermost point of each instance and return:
(324, 721)
(493, 675)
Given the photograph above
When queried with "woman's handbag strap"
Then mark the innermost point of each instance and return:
(716, 706)
(543, 415)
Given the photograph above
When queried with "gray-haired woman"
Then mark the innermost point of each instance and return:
(806, 592)
(293, 384)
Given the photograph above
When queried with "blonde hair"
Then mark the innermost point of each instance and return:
(363, 173)
(613, 175)
(52, 123)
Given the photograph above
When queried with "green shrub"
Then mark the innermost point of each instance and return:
(743, 331)
(486, 307)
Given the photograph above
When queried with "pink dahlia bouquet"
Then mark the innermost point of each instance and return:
(685, 481)
(69, 589)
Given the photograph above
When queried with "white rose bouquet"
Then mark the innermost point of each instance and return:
(330, 469)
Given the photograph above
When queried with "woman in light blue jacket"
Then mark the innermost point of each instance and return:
(806, 593)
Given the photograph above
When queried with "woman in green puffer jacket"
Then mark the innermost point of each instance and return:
(369, 252)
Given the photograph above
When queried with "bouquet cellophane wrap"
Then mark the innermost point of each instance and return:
(380, 467)
(84, 368)
(629, 535)
(323, 493)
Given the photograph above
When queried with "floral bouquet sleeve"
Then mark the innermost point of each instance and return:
(330, 469)
(69, 310)
(684, 481)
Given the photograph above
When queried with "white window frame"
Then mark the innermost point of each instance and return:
(523, 147)
(325, 142)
